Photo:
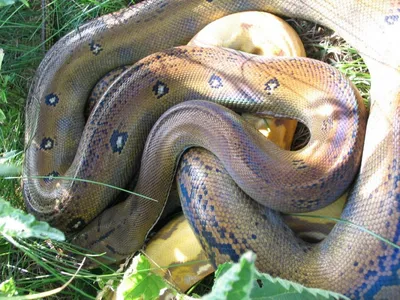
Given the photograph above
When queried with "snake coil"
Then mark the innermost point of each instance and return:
(108, 147)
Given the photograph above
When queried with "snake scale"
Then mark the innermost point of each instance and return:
(108, 147)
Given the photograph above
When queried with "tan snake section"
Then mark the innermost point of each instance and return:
(108, 147)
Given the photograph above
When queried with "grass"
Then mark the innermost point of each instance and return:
(25, 35)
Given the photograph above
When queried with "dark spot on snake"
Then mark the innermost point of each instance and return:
(253, 236)
(104, 236)
(212, 207)
(355, 263)
(47, 144)
(271, 85)
(76, 224)
(137, 67)
(391, 19)
(118, 141)
(95, 48)
(209, 1)
(371, 262)
(221, 231)
(361, 270)
(384, 246)
(111, 249)
(260, 283)
(396, 179)
(51, 176)
(215, 82)
(160, 89)
(205, 191)
(51, 99)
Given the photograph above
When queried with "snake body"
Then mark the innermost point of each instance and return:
(109, 147)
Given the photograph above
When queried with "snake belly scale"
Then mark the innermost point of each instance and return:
(109, 147)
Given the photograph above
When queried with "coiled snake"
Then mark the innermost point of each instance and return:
(108, 148)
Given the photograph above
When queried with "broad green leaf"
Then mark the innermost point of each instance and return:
(16, 223)
(10, 2)
(242, 281)
(8, 288)
(140, 283)
(278, 288)
(234, 281)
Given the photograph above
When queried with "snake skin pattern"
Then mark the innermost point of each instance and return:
(107, 147)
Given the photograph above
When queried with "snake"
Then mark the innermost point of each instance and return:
(204, 86)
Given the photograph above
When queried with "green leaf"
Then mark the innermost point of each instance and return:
(234, 281)
(9, 155)
(16, 223)
(242, 281)
(10, 2)
(25, 2)
(2, 116)
(8, 288)
(140, 283)
(278, 288)
(9, 170)
(1, 54)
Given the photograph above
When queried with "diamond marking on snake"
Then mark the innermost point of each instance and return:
(95, 48)
(47, 144)
(51, 99)
(118, 141)
(271, 85)
(51, 176)
(160, 89)
(392, 19)
(215, 82)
